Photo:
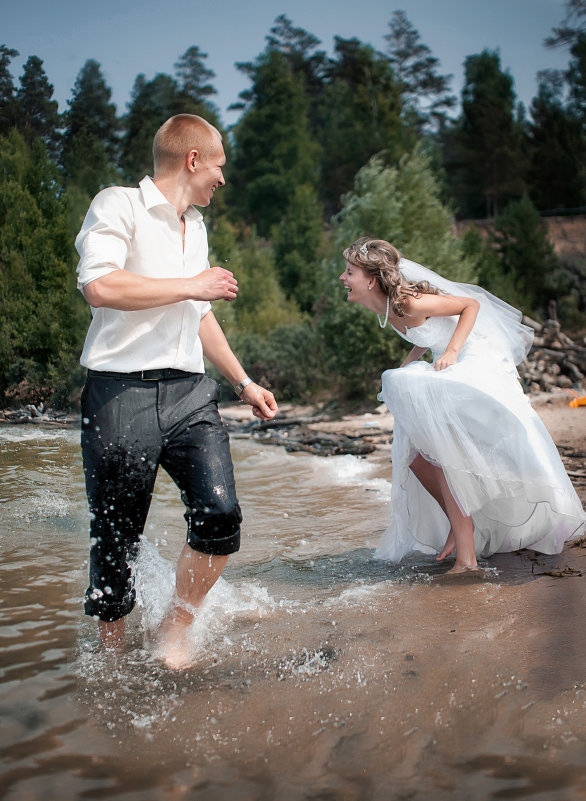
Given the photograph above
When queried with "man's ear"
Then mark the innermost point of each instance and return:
(192, 160)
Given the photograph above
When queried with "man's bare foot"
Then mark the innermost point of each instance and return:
(112, 634)
(448, 548)
(173, 642)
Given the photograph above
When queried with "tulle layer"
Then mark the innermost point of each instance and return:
(499, 460)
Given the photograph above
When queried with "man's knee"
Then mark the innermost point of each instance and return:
(216, 534)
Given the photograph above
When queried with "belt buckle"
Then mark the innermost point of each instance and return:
(144, 378)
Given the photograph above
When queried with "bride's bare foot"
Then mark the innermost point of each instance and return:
(463, 570)
(448, 548)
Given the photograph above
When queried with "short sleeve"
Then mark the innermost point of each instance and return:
(206, 305)
(105, 235)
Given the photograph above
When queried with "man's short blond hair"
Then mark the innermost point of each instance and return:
(176, 137)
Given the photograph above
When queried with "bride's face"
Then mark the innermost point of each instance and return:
(357, 282)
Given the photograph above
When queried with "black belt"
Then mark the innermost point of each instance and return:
(142, 375)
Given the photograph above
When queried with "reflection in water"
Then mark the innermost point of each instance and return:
(319, 672)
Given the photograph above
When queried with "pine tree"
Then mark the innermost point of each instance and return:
(90, 141)
(300, 49)
(483, 150)
(8, 107)
(38, 113)
(361, 116)
(273, 149)
(192, 75)
(555, 176)
(572, 34)
(572, 26)
(424, 92)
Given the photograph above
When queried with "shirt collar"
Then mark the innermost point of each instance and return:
(152, 196)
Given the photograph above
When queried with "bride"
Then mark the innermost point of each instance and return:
(474, 468)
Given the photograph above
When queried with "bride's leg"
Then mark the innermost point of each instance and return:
(429, 476)
(462, 530)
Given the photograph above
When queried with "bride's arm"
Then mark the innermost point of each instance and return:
(415, 354)
(447, 306)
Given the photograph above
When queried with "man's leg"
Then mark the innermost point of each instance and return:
(120, 465)
(196, 574)
(197, 456)
(112, 633)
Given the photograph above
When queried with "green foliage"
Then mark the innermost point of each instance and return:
(288, 360)
(556, 147)
(261, 304)
(42, 321)
(296, 242)
(423, 89)
(151, 103)
(38, 115)
(360, 116)
(192, 75)
(273, 150)
(484, 152)
(402, 205)
(526, 255)
(8, 106)
(90, 141)
(481, 251)
(274, 341)
(302, 150)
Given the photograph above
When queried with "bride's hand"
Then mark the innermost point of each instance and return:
(447, 359)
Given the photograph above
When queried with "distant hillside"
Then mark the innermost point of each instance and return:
(567, 234)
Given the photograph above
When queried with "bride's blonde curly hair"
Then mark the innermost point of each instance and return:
(380, 260)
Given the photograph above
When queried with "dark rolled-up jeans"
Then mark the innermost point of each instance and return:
(131, 426)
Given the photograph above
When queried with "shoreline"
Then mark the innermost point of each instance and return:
(363, 434)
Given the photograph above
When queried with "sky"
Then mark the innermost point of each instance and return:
(128, 37)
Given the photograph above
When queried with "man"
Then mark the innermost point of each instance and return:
(147, 402)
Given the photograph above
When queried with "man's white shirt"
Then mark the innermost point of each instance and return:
(137, 229)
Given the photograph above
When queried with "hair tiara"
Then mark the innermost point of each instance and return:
(363, 249)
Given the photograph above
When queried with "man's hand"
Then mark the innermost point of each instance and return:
(217, 283)
(264, 405)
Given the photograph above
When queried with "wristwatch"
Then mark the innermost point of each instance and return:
(239, 387)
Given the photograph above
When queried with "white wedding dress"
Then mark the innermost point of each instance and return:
(500, 462)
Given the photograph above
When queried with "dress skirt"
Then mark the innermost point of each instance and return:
(501, 465)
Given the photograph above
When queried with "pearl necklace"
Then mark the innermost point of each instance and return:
(383, 323)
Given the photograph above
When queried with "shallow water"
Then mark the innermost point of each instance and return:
(318, 672)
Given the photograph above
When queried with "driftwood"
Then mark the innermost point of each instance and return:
(555, 360)
(39, 415)
(299, 437)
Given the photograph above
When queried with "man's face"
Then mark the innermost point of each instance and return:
(208, 174)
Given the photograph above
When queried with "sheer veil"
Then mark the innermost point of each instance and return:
(497, 321)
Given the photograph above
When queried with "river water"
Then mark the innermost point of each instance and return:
(319, 673)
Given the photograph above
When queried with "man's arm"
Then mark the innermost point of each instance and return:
(128, 291)
(218, 351)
